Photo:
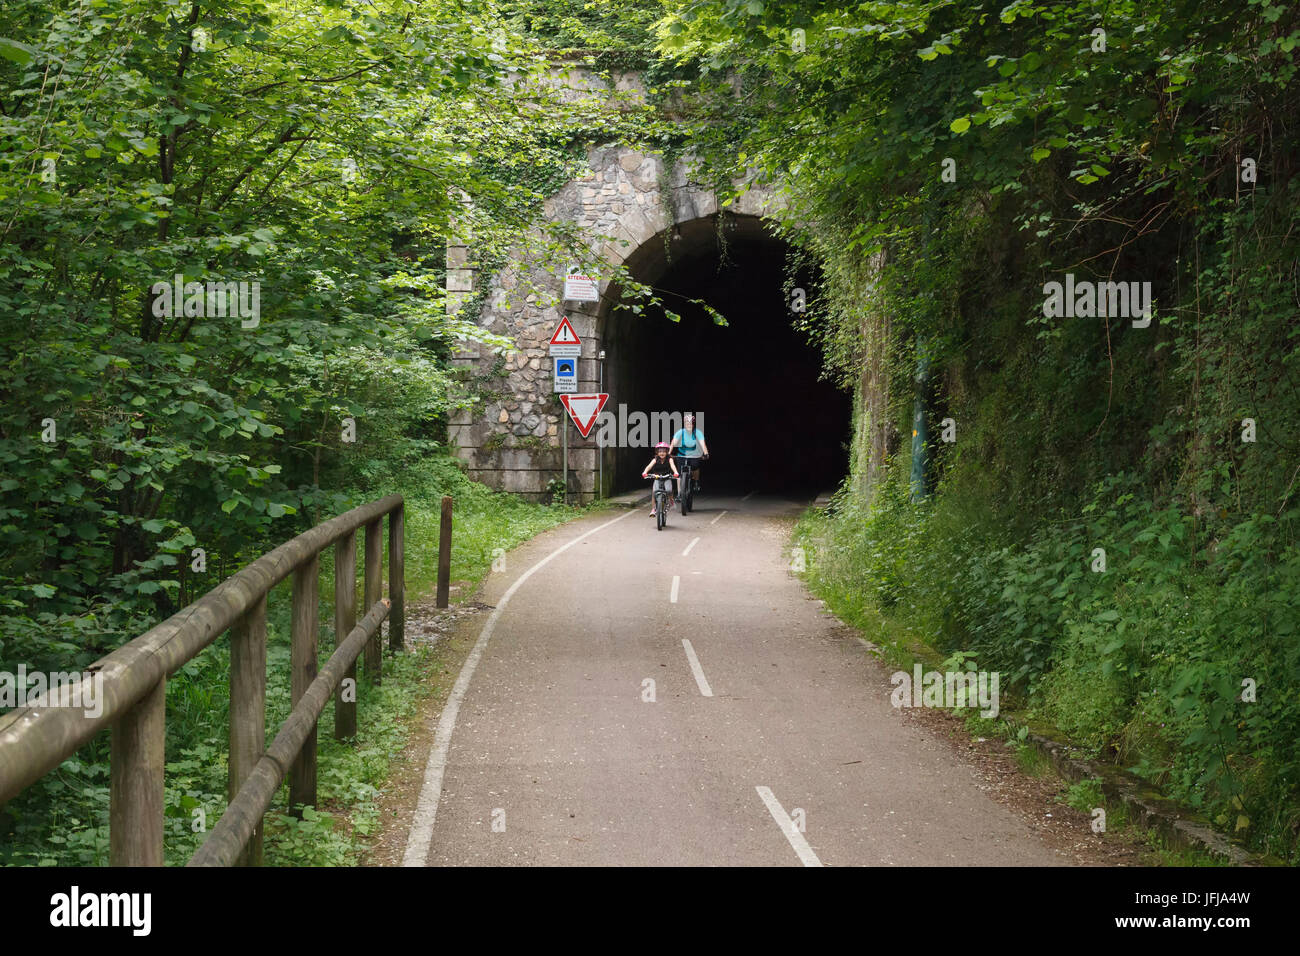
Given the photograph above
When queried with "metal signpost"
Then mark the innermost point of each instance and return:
(584, 410)
(600, 448)
(565, 347)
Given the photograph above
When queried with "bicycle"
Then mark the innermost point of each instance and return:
(686, 487)
(662, 492)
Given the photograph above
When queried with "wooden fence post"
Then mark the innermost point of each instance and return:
(345, 619)
(247, 710)
(444, 552)
(373, 592)
(397, 579)
(306, 616)
(136, 782)
(135, 706)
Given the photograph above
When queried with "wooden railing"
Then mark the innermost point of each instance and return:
(35, 739)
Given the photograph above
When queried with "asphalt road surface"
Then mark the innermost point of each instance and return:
(676, 697)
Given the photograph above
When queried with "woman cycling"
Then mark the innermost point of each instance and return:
(660, 464)
(693, 447)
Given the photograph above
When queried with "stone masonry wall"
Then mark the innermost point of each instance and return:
(512, 441)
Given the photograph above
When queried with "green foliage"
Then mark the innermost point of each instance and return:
(602, 28)
(940, 163)
(1085, 795)
(482, 522)
(1031, 760)
(62, 819)
(1144, 661)
(556, 489)
(321, 151)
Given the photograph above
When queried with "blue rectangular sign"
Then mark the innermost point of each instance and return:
(566, 375)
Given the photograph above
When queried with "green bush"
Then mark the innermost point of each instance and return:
(1144, 661)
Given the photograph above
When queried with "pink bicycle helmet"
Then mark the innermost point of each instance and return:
(663, 444)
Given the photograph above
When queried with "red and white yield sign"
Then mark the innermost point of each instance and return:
(584, 409)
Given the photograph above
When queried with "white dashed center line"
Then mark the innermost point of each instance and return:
(672, 597)
(689, 546)
(717, 519)
(696, 669)
(787, 826)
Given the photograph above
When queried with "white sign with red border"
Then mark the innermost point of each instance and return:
(565, 342)
(579, 287)
(584, 410)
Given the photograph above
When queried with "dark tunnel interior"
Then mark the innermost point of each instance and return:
(771, 424)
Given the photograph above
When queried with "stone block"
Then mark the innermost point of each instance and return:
(515, 459)
(491, 477)
(646, 176)
(581, 459)
(522, 481)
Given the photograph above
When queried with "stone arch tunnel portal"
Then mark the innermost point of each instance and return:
(772, 424)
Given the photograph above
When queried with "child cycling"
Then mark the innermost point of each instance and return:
(661, 465)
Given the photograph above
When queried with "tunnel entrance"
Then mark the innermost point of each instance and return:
(770, 423)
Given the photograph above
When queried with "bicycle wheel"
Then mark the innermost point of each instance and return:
(659, 512)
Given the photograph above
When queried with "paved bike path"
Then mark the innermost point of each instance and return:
(556, 758)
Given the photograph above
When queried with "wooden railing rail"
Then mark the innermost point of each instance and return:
(239, 825)
(37, 738)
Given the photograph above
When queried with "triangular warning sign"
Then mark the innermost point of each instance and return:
(584, 410)
(565, 335)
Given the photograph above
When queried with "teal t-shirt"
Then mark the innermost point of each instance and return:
(688, 445)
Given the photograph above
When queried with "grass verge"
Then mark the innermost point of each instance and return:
(62, 819)
(900, 646)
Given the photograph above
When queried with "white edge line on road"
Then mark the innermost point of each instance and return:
(748, 496)
(696, 669)
(689, 546)
(426, 810)
(717, 519)
(787, 826)
(672, 598)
